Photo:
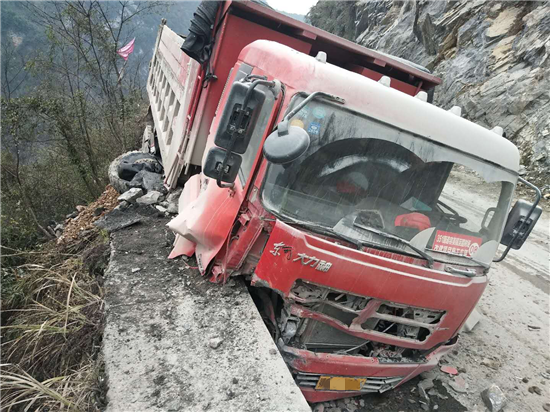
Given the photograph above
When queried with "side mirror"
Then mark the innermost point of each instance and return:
(286, 144)
(214, 162)
(235, 113)
(517, 227)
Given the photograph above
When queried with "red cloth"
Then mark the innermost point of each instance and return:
(125, 51)
(415, 219)
(346, 187)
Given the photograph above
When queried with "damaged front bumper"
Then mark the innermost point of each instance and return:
(325, 376)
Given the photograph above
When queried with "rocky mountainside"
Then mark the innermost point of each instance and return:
(493, 58)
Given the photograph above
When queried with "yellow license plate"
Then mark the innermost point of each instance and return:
(339, 383)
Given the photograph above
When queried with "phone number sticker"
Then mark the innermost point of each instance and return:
(456, 243)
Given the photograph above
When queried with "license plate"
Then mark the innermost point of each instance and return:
(339, 383)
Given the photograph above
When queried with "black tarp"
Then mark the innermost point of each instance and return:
(198, 44)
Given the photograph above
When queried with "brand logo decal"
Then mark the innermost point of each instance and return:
(312, 261)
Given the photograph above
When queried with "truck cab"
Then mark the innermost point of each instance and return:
(341, 200)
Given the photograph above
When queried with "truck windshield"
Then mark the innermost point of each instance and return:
(364, 179)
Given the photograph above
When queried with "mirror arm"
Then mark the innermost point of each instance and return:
(282, 128)
(287, 142)
(310, 98)
(235, 133)
(538, 195)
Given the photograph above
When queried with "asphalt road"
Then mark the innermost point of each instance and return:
(510, 346)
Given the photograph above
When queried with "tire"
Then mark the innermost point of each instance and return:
(122, 184)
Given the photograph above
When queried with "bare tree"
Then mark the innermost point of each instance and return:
(82, 113)
(13, 67)
(97, 108)
(18, 132)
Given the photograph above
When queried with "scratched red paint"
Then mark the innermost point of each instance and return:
(365, 274)
(449, 369)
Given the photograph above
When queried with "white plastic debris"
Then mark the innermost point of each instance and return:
(131, 195)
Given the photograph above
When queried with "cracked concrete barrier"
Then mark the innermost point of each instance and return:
(175, 342)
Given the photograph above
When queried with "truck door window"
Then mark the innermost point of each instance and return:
(358, 172)
(260, 131)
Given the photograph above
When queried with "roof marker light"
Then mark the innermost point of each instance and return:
(498, 130)
(457, 110)
(422, 95)
(321, 57)
(385, 81)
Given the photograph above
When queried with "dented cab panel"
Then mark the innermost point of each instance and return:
(381, 281)
(382, 317)
(208, 213)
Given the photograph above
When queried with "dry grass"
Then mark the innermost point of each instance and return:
(52, 328)
(23, 389)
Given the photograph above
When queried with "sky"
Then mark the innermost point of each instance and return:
(292, 6)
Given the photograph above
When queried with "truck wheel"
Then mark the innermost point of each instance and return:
(123, 169)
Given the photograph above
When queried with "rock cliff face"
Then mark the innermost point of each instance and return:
(493, 58)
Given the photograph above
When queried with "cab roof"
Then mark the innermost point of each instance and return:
(380, 102)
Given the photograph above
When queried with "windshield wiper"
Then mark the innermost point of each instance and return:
(327, 231)
(397, 238)
(356, 242)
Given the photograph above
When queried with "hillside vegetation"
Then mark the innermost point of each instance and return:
(70, 104)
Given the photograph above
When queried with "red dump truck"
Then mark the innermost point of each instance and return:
(364, 218)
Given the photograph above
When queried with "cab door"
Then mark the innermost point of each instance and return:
(207, 211)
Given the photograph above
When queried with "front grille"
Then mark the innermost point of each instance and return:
(371, 384)
(383, 318)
